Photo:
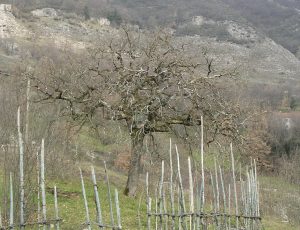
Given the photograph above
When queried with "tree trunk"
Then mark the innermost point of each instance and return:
(137, 139)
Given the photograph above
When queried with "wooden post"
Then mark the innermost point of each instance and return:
(38, 189)
(43, 190)
(191, 188)
(87, 214)
(21, 154)
(97, 200)
(214, 193)
(224, 196)
(148, 203)
(181, 194)
(1, 224)
(217, 187)
(202, 164)
(161, 194)
(171, 187)
(118, 209)
(11, 209)
(234, 188)
(27, 112)
(229, 207)
(109, 196)
(56, 209)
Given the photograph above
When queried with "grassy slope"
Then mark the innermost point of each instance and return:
(276, 194)
(72, 207)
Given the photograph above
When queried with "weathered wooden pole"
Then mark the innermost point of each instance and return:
(109, 197)
(171, 187)
(1, 224)
(118, 209)
(148, 202)
(11, 209)
(191, 188)
(161, 194)
(202, 164)
(43, 187)
(97, 200)
(87, 214)
(181, 193)
(56, 209)
(234, 188)
(21, 165)
(27, 112)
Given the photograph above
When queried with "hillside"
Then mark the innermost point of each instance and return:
(234, 45)
(259, 50)
(278, 19)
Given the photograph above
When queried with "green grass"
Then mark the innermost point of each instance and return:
(88, 141)
(279, 198)
(272, 223)
(71, 206)
(73, 213)
(72, 209)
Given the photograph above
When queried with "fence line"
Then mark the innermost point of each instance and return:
(99, 220)
(22, 224)
(195, 214)
(176, 203)
(200, 214)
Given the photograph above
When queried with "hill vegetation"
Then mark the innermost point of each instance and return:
(79, 57)
(278, 19)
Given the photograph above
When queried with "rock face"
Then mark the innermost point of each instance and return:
(5, 7)
(103, 22)
(256, 56)
(45, 12)
(9, 26)
(242, 32)
(198, 20)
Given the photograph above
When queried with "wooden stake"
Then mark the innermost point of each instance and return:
(21, 151)
(43, 190)
(1, 224)
(97, 200)
(191, 188)
(109, 196)
(87, 214)
(118, 209)
(38, 189)
(202, 164)
(161, 194)
(181, 194)
(11, 209)
(171, 187)
(148, 202)
(56, 208)
(234, 188)
(27, 111)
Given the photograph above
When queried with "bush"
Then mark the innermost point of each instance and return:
(288, 167)
(114, 17)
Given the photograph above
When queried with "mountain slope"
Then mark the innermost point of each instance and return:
(278, 19)
(233, 45)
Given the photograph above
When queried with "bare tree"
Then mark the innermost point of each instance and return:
(149, 80)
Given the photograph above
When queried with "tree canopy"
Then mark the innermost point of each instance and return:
(150, 80)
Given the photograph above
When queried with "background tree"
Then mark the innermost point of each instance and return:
(149, 80)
